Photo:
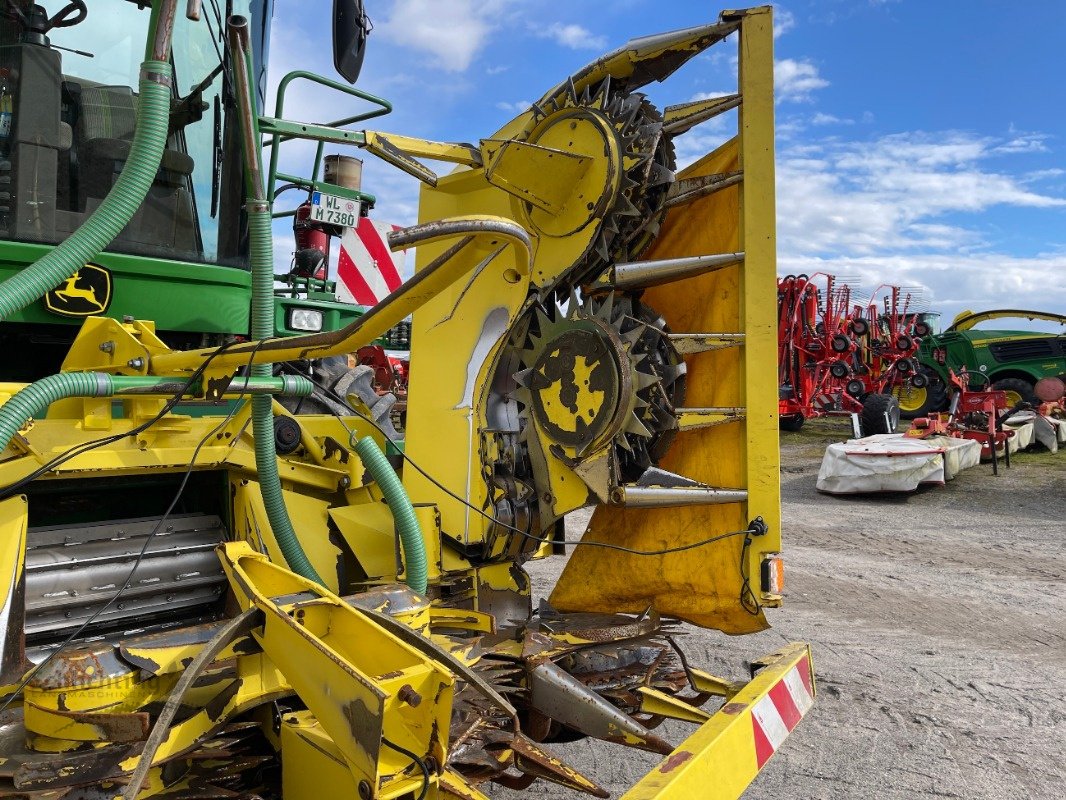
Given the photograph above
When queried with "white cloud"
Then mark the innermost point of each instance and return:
(573, 36)
(1025, 143)
(879, 210)
(952, 282)
(519, 107)
(863, 197)
(708, 96)
(795, 80)
(829, 119)
(451, 32)
(784, 21)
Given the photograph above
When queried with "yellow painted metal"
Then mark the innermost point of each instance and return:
(652, 701)
(461, 619)
(706, 585)
(691, 418)
(309, 516)
(682, 117)
(14, 517)
(453, 787)
(911, 398)
(468, 323)
(361, 683)
(403, 152)
(712, 684)
(424, 287)
(718, 761)
(967, 319)
(516, 166)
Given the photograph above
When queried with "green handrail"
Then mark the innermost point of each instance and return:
(385, 107)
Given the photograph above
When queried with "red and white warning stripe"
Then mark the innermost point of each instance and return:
(367, 270)
(780, 710)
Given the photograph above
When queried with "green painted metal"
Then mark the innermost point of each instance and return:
(301, 131)
(171, 293)
(995, 354)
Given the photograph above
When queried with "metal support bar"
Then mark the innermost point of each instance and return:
(691, 418)
(684, 116)
(691, 343)
(665, 496)
(642, 274)
(687, 190)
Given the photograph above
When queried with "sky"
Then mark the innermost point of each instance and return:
(919, 143)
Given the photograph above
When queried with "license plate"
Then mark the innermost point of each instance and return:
(334, 210)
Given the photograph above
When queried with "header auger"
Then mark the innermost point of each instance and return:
(256, 602)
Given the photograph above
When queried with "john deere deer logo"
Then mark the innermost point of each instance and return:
(83, 294)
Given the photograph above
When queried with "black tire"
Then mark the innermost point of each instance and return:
(922, 329)
(874, 409)
(860, 327)
(839, 369)
(904, 342)
(791, 422)
(1016, 386)
(840, 343)
(935, 396)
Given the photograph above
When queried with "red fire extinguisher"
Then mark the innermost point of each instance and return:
(312, 245)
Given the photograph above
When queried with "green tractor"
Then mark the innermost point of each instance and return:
(1010, 360)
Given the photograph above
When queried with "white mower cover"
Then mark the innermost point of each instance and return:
(892, 462)
(1048, 431)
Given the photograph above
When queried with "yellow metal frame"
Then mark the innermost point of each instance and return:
(719, 760)
(729, 436)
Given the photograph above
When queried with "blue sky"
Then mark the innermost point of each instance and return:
(918, 143)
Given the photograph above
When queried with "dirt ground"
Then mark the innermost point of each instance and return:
(938, 626)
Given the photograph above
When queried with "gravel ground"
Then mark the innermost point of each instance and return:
(938, 626)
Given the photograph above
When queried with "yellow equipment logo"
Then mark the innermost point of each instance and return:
(83, 294)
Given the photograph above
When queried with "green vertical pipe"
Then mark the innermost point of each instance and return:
(410, 532)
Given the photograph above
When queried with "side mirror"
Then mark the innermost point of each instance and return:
(350, 28)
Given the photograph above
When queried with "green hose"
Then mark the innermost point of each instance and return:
(414, 546)
(116, 210)
(32, 401)
(266, 456)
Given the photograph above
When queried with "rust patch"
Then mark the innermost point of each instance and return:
(675, 761)
(331, 447)
(365, 727)
(733, 708)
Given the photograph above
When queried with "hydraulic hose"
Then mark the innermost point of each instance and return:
(261, 245)
(266, 455)
(410, 532)
(116, 210)
(261, 261)
(33, 400)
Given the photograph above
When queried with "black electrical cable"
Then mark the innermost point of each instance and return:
(748, 600)
(605, 545)
(155, 530)
(414, 758)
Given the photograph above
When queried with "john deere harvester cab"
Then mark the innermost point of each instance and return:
(261, 602)
(69, 100)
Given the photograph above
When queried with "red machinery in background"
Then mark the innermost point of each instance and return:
(977, 414)
(836, 356)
